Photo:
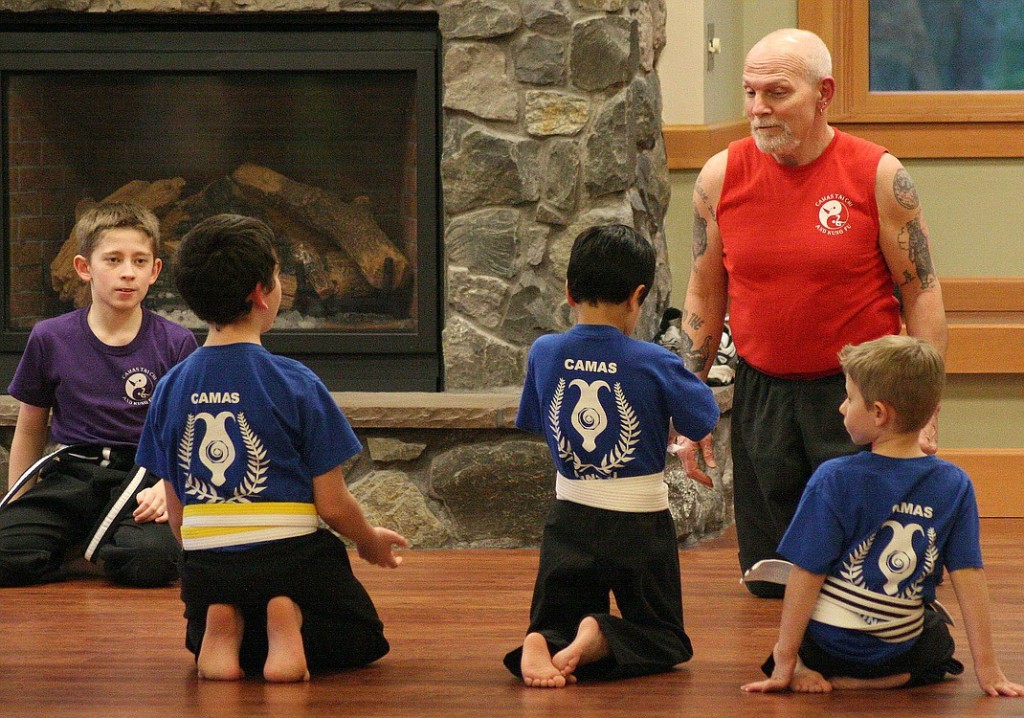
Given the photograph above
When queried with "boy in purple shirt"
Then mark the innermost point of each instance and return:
(90, 374)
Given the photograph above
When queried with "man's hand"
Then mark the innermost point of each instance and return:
(687, 450)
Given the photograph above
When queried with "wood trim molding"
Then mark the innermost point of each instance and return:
(950, 139)
(983, 294)
(985, 316)
(998, 476)
(690, 146)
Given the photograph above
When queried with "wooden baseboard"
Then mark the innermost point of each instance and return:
(998, 476)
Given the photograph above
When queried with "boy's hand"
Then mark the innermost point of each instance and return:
(993, 682)
(378, 551)
(152, 505)
(781, 676)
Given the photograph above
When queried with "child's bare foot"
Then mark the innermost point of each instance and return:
(286, 656)
(806, 680)
(218, 656)
(589, 645)
(846, 683)
(536, 666)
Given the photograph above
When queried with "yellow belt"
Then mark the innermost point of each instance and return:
(219, 525)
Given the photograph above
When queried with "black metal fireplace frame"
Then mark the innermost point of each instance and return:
(128, 42)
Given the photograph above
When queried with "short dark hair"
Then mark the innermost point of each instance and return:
(218, 264)
(608, 263)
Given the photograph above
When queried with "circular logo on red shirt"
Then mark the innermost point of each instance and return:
(833, 214)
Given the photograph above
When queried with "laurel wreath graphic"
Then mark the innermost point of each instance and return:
(618, 457)
(256, 466)
(853, 567)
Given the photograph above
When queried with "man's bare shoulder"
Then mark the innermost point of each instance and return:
(895, 191)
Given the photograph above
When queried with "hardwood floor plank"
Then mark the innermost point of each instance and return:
(84, 648)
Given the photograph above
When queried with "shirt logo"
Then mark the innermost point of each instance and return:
(138, 386)
(833, 214)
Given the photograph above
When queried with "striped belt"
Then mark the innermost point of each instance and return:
(634, 494)
(219, 525)
(888, 618)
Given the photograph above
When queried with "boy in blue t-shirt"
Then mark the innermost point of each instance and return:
(870, 538)
(251, 446)
(85, 381)
(605, 402)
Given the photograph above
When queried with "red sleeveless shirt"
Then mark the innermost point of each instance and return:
(806, 275)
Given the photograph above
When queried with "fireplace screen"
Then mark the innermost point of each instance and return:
(334, 148)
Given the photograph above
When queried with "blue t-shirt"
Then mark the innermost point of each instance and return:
(99, 394)
(887, 525)
(604, 400)
(237, 423)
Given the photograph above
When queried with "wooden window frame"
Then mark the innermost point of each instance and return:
(909, 124)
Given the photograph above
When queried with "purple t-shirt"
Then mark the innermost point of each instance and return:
(98, 394)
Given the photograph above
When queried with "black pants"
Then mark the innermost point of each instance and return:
(781, 431)
(927, 661)
(589, 553)
(340, 625)
(74, 502)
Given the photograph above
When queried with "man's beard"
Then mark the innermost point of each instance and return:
(773, 144)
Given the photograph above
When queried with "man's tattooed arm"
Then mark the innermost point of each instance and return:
(699, 189)
(914, 241)
(904, 190)
(694, 359)
(700, 235)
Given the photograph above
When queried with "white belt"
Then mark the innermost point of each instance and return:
(888, 618)
(635, 494)
(219, 525)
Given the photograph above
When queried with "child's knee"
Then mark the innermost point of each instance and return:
(21, 566)
(141, 567)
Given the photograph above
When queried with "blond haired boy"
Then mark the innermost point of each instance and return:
(870, 538)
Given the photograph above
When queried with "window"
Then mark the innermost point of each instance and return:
(919, 122)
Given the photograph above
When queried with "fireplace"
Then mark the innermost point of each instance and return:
(324, 126)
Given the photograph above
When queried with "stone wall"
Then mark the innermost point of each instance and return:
(452, 471)
(551, 122)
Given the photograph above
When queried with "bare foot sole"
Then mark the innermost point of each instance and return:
(286, 656)
(588, 646)
(806, 680)
(536, 666)
(218, 656)
(845, 683)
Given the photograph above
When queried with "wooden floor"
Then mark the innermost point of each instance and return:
(85, 649)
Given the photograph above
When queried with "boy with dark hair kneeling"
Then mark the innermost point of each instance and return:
(870, 538)
(604, 401)
(251, 445)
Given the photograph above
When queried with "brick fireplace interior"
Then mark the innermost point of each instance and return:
(326, 128)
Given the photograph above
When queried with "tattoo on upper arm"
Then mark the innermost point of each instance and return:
(904, 190)
(913, 239)
(700, 235)
(699, 189)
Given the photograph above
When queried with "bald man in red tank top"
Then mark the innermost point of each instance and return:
(812, 239)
